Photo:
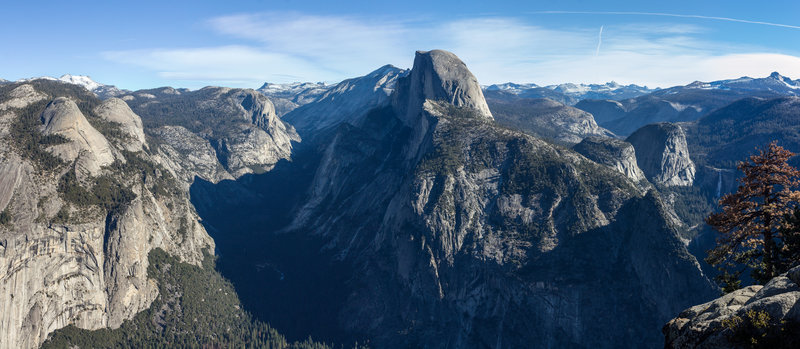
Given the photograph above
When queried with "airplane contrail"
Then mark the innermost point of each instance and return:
(599, 42)
(668, 15)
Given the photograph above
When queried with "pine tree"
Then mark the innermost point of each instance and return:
(751, 222)
(790, 233)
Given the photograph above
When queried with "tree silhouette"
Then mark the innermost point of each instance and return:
(753, 218)
(790, 233)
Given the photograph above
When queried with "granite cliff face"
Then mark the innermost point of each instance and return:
(662, 154)
(345, 101)
(84, 211)
(241, 125)
(438, 76)
(617, 154)
(117, 111)
(761, 316)
(459, 233)
(87, 147)
(189, 155)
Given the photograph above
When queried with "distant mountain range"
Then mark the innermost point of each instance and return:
(100, 90)
(775, 82)
(684, 103)
(618, 108)
(289, 96)
(570, 93)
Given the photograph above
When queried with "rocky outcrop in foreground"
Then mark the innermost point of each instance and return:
(662, 154)
(756, 316)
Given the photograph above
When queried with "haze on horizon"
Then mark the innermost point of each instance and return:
(185, 44)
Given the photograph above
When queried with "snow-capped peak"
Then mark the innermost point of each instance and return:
(100, 90)
(774, 82)
(570, 88)
(510, 87)
(291, 87)
(81, 80)
(38, 78)
(298, 92)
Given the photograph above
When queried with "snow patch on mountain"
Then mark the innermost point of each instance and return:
(774, 82)
(100, 90)
(81, 80)
(298, 92)
(610, 89)
(510, 87)
(576, 92)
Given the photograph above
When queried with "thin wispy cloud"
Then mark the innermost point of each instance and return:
(675, 15)
(599, 41)
(235, 64)
(285, 47)
(328, 41)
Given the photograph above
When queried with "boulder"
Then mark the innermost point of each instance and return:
(767, 315)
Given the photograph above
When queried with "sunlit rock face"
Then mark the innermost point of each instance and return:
(662, 154)
(713, 324)
(439, 76)
(618, 154)
(67, 256)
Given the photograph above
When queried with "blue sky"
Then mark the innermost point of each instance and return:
(245, 43)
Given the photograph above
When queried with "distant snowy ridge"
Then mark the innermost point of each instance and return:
(774, 82)
(287, 97)
(293, 87)
(82, 80)
(510, 87)
(577, 92)
(101, 90)
(292, 90)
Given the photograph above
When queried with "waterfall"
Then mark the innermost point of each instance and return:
(719, 182)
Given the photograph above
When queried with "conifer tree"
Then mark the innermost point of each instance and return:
(753, 219)
(790, 233)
